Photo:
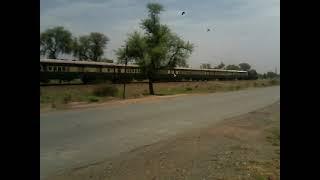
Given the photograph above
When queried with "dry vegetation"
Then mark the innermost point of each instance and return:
(61, 96)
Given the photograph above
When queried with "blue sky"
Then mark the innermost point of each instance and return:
(241, 30)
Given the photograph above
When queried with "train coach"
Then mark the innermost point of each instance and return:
(88, 71)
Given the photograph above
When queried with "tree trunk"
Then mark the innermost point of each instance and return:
(151, 87)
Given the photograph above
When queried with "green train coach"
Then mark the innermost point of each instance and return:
(88, 71)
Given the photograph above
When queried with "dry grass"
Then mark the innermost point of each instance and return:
(59, 96)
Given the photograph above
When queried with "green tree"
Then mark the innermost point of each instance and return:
(158, 48)
(264, 76)
(271, 75)
(81, 48)
(90, 47)
(232, 67)
(244, 66)
(252, 74)
(98, 42)
(55, 41)
(220, 66)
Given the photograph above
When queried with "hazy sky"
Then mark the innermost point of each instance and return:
(241, 30)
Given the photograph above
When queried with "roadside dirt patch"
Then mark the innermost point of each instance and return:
(63, 97)
(115, 102)
(243, 147)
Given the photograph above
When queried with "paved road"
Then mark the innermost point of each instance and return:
(73, 139)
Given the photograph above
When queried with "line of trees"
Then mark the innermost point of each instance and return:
(58, 41)
(269, 75)
(156, 49)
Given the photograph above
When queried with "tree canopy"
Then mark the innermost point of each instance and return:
(90, 47)
(271, 75)
(55, 41)
(252, 74)
(232, 67)
(158, 48)
(244, 66)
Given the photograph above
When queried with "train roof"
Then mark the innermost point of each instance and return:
(74, 62)
(222, 70)
(58, 61)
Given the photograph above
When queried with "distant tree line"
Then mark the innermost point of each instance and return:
(58, 41)
(269, 75)
(156, 49)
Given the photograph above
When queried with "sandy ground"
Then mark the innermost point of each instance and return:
(236, 148)
(135, 91)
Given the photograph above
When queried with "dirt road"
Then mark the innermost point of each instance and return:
(243, 147)
(73, 139)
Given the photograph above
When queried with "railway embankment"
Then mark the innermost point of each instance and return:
(66, 96)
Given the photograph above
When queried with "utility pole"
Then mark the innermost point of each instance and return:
(125, 73)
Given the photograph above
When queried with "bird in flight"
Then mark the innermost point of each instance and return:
(183, 13)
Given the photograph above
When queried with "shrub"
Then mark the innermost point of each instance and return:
(93, 99)
(67, 98)
(53, 105)
(188, 89)
(274, 82)
(105, 90)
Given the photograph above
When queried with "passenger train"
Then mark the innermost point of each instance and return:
(89, 71)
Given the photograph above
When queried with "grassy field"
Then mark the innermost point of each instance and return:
(61, 96)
